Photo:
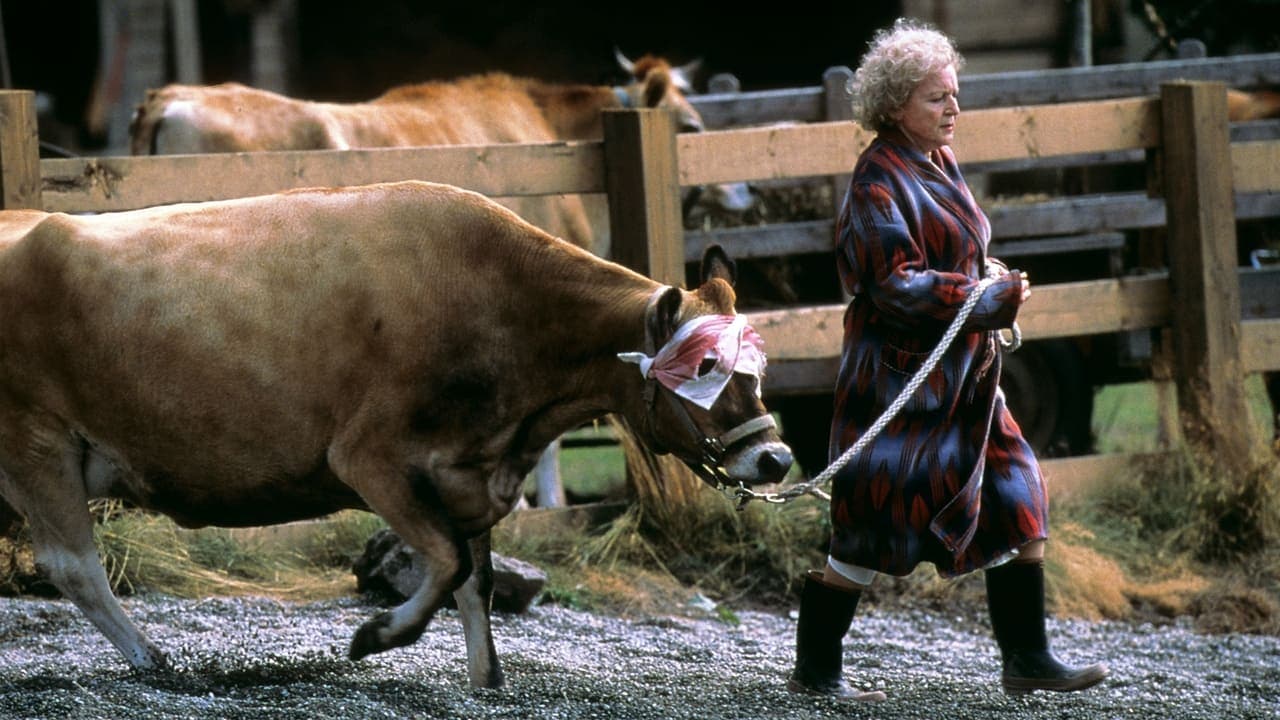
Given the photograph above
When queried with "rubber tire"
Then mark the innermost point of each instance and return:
(1048, 391)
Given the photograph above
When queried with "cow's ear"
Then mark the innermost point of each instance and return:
(663, 316)
(683, 76)
(656, 85)
(716, 263)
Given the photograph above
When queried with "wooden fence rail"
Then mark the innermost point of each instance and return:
(1031, 87)
(642, 165)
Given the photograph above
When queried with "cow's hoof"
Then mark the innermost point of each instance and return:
(148, 658)
(376, 635)
(368, 639)
(491, 680)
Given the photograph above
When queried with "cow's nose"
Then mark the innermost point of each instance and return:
(774, 463)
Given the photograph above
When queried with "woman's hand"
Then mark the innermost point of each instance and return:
(1025, 283)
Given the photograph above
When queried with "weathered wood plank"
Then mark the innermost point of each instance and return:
(19, 151)
(1259, 292)
(1076, 214)
(1066, 129)
(830, 148)
(123, 183)
(1007, 89)
(1255, 166)
(1035, 87)
(1243, 132)
(1202, 263)
(739, 109)
(768, 153)
(1098, 306)
(644, 206)
(1260, 345)
(1058, 310)
(756, 241)
(1058, 218)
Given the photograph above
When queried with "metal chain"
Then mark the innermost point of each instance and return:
(812, 487)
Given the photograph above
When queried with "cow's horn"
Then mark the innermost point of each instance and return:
(626, 64)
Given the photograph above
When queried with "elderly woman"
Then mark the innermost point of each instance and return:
(950, 480)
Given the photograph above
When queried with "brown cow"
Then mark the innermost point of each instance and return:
(1245, 105)
(475, 110)
(407, 348)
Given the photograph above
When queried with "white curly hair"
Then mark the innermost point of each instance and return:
(897, 59)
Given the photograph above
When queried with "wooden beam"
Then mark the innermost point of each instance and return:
(19, 151)
(1067, 129)
(1202, 262)
(1058, 310)
(1255, 166)
(1006, 89)
(1135, 302)
(123, 183)
(770, 153)
(647, 233)
(1260, 345)
(830, 148)
(1036, 87)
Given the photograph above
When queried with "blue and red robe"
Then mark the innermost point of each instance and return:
(951, 480)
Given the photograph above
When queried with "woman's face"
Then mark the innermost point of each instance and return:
(929, 116)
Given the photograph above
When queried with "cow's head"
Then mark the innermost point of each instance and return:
(702, 366)
(656, 84)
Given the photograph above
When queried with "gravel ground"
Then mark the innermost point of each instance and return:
(259, 658)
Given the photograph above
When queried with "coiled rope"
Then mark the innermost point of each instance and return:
(745, 495)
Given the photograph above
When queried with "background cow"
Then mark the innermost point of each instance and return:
(407, 348)
(474, 110)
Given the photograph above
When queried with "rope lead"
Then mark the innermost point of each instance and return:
(812, 487)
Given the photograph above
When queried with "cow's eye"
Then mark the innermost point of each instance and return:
(708, 364)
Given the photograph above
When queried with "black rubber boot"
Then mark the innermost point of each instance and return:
(1015, 597)
(826, 612)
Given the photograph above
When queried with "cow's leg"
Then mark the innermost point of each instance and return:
(414, 511)
(475, 598)
(52, 497)
(547, 476)
(445, 562)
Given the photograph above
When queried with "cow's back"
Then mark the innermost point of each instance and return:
(239, 321)
(229, 117)
(478, 110)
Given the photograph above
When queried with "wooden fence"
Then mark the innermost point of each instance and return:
(642, 163)
(1060, 225)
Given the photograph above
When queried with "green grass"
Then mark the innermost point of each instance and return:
(1127, 418)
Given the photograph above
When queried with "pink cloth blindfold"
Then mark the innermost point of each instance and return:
(727, 339)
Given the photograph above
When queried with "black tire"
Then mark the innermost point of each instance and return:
(1049, 393)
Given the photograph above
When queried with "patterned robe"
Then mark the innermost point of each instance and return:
(951, 480)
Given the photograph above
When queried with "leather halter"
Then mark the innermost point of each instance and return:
(712, 450)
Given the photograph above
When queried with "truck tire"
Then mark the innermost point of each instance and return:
(1046, 388)
(1049, 393)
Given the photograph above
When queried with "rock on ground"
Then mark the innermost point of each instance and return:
(257, 658)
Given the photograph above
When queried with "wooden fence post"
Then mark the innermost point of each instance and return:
(643, 182)
(19, 151)
(1203, 278)
(837, 84)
